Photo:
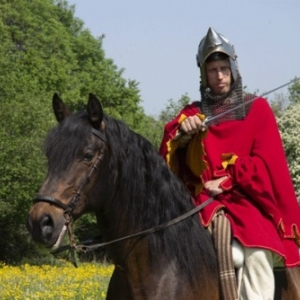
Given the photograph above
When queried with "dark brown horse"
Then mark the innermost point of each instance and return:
(97, 164)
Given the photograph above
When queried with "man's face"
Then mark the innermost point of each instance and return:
(218, 76)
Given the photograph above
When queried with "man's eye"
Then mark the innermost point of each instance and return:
(225, 69)
(212, 71)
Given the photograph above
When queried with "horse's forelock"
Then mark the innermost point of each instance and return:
(65, 140)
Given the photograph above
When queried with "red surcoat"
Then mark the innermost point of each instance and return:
(259, 197)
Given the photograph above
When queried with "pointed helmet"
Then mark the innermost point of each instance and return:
(214, 42)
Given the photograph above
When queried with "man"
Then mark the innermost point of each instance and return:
(239, 159)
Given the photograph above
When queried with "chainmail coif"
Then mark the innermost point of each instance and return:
(214, 105)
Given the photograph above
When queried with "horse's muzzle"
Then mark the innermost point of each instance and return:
(44, 229)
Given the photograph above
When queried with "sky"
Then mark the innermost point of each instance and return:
(156, 41)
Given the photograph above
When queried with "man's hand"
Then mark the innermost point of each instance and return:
(213, 186)
(192, 125)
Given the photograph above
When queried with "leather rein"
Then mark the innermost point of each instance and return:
(68, 209)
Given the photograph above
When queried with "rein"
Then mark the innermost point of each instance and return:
(68, 209)
(87, 248)
(154, 229)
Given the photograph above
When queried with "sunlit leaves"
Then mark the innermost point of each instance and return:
(289, 124)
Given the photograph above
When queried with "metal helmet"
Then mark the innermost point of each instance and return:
(214, 42)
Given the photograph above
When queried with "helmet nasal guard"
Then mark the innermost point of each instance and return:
(214, 42)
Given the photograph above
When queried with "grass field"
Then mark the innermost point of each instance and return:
(25, 282)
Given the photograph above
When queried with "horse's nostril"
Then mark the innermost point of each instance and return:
(47, 226)
(46, 221)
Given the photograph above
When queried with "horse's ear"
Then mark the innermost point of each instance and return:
(61, 111)
(95, 111)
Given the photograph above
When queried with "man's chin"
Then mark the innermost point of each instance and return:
(221, 90)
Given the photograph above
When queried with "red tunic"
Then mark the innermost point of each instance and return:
(259, 198)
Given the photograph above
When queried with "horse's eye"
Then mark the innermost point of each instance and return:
(88, 156)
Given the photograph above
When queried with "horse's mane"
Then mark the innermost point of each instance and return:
(145, 190)
(154, 196)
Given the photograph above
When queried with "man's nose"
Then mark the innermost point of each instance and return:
(220, 73)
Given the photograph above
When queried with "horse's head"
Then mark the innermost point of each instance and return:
(75, 149)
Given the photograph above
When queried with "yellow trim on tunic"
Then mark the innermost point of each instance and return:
(228, 159)
(195, 150)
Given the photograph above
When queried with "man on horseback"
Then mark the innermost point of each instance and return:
(238, 158)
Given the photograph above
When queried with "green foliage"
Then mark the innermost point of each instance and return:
(21, 171)
(289, 124)
(173, 108)
(286, 109)
(155, 128)
(294, 91)
(45, 49)
(152, 127)
(279, 104)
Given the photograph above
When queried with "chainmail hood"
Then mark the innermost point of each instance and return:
(212, 105)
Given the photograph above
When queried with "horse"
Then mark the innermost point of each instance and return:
(97, 164)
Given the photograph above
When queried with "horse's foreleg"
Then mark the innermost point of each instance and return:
(118, 287)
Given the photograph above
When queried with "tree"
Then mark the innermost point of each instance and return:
(289, 124)
(294, 91)
(45, 49)
(173, 108)
(279, 104)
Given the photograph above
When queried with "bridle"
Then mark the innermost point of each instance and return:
(68, 209)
